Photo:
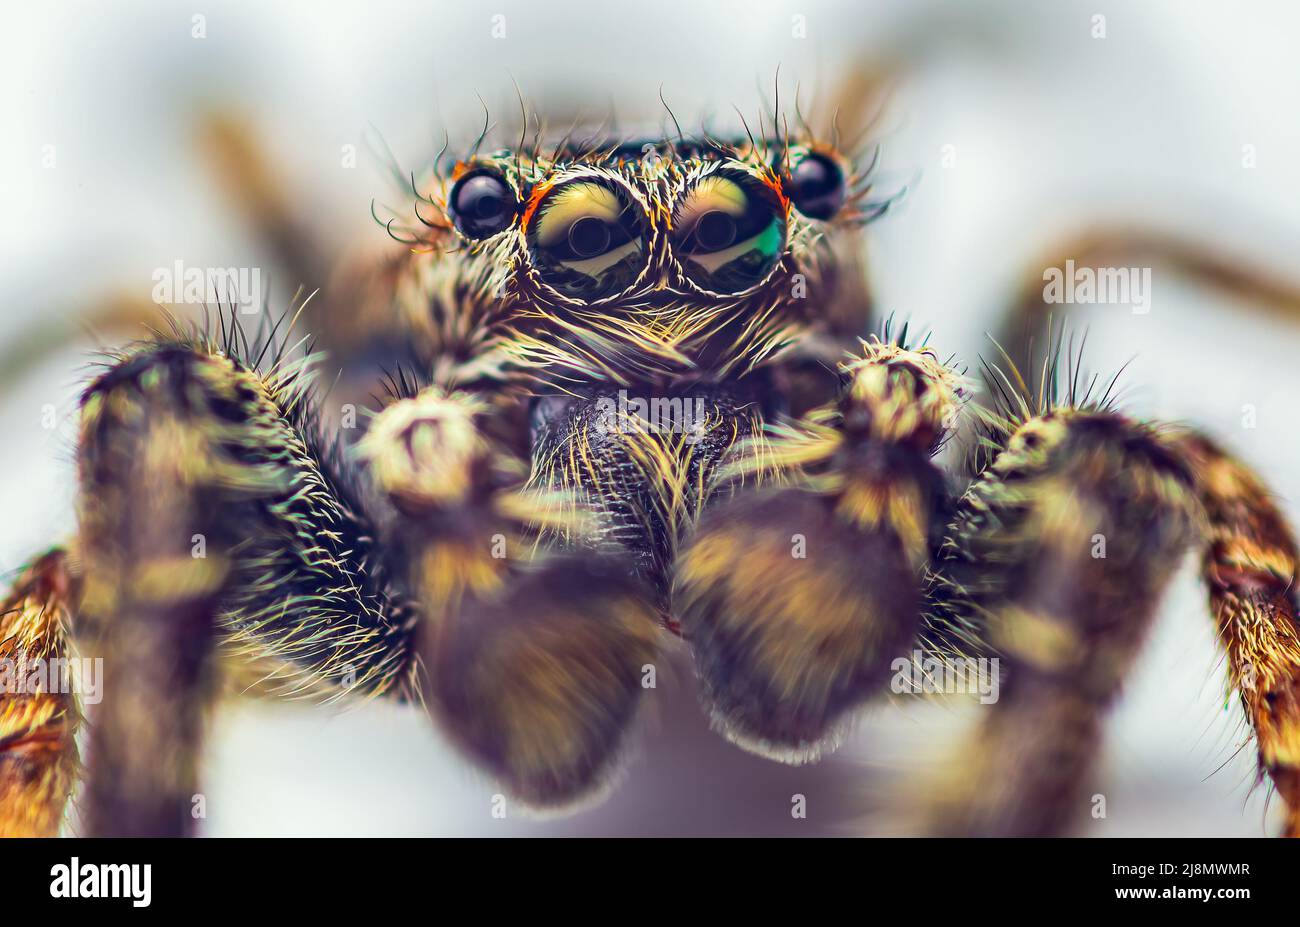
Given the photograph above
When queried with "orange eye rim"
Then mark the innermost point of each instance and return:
(630, 198)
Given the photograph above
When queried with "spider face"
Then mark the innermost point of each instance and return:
(644, 288)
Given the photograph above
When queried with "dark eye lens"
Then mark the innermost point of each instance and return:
(816, 186)
(482, 205)
(588, 239)
(728, 232)
(715, 230)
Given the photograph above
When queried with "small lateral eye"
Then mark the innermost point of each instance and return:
(482, 204)
(816, 186)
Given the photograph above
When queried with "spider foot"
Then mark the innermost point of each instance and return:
(539, 682)
(794, 618)
(797, 601)
(534, 662)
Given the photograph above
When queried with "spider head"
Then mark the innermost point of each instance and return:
(641, 291)
(648, 260)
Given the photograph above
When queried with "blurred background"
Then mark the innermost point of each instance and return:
(1015, 125)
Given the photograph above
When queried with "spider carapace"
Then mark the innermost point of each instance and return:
(633, 411)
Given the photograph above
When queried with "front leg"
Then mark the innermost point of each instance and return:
(211, 515)
(1059, 551)
(796, 600)
(533, 663)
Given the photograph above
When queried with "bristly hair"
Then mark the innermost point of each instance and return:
(404, 381)
(1010, 400)
(1058, 385)
(315, 609)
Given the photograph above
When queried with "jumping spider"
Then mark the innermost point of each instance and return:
(630, 410)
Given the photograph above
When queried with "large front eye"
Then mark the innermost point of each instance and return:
(482, 204)
(587, 239)
(729, 232)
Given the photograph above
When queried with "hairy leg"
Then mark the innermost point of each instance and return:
(149, 492)
(207, 514)
(1250, 569)
(1059, 553)
(38, 708)
(797, 599)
